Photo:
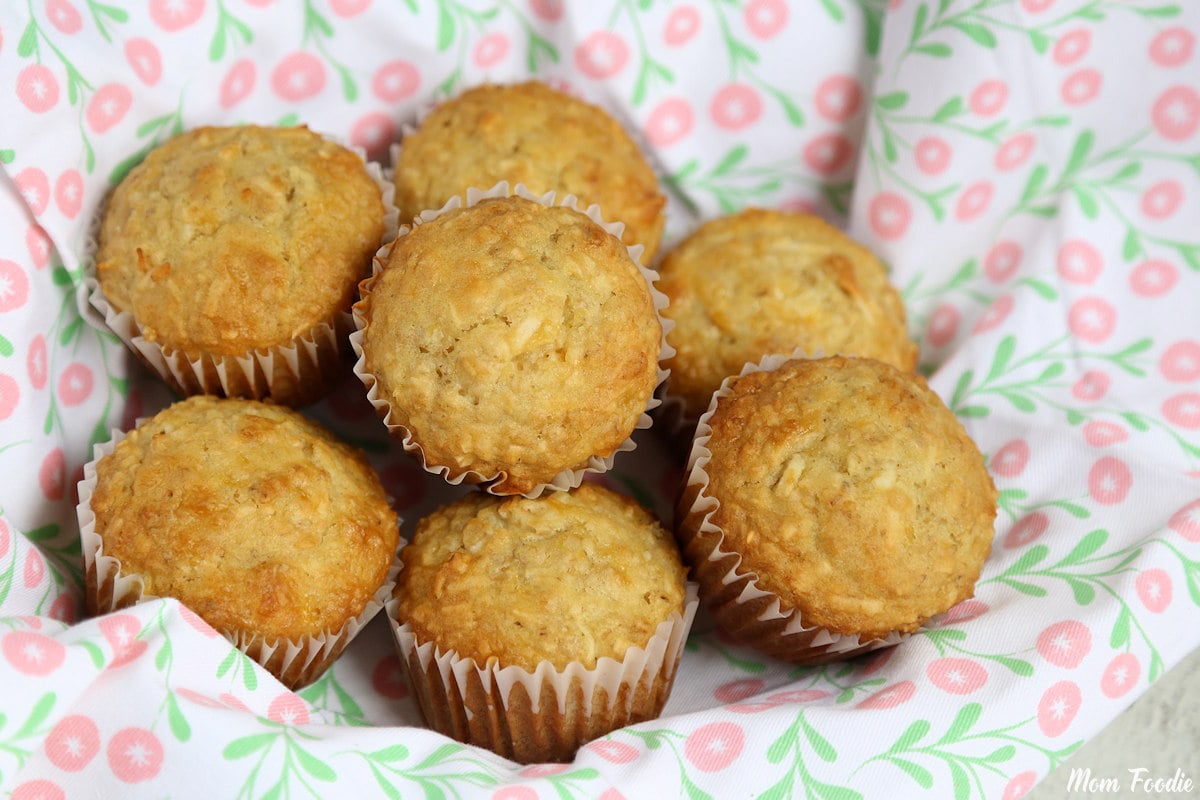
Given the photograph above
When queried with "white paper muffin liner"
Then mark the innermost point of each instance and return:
(568, 478)
(546, 714)
(739, 604)
(295, 662)
(294, 373)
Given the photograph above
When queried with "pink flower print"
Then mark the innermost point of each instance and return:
(1058, 707)
(5, 538)
(1079, 262)
(36, 362)
(714, 746)
(144, 59)
(1081, 87)
(238, 83)
(995, 314)
(890, 696)
(1065, 644)
(734, 691)
(1019, 785)
(73, 743)
(1103, 434)
(1162, 199)
(52, 475)
(1072, 46)
(38, 245)
(1120, 675)
(233, 701)
(120, 631)
(1180, 362)
(943, 325)
(515, 793)
(1186, 521)
(889, 215)
(491, 50)
(1183, 410)
(1154, 589)
(1010, 460)
(549, 10)
(878, 661)
(988, 98)
(34, 187)
(1015, 151)
(1002, 261)
(388, 678)
(614, 752)
(68, 193)
(1176, 113)
(373, 132)
(197, 622)
(63, 16)
(75, 384)
(1172, 47)
(798, 696)
(956, 675)
(932, 154)
(973, 201)
(682, 24)
(1027, 529)
(670, 121)
(1036, 6)
(1091, 386)
(199, 699)
(288, 709)
(35, 569)
(37, 88)
(838, 98)
(10, 395)
(395, 81)
(349, 8)
(108, 106)
(14, 286)
(735, 106)
(543, 770)
(1153, 278)
(828, 153)
(39, 789)
(964, 611)
(31, 653)
(298, 76)
(1109, 481)
(134, 755)
(765, 18)
(175, 15)
(1092, 319)
(63, 609)
(601, 55)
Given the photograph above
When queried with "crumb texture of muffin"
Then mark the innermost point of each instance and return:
(762, 281)
(512, 338)
(569, 577)
(252, 515)
(852, 492)
(533, 134)
(224, 240)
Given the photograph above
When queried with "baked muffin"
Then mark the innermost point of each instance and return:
(532, 134)
(759, 282)
(510, 342)
(544, 623)
(237, 252)
(257, 519)
(842, 489)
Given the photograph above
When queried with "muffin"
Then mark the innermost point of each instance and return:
(833, 505)
(532, 134)
(256, 518)
(759, 282)
(512, 343)
(236, 252)
(532, 626)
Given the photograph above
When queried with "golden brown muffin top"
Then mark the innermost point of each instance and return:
(252, 515)
(530, 133)
(512, 337)
(852, 491)
(570, 576)
(224, 240)
(759, 282)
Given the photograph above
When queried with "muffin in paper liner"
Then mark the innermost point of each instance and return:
(567, 478)
(107, 588)
(733, 595)
(547, 714)
(296, 372)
